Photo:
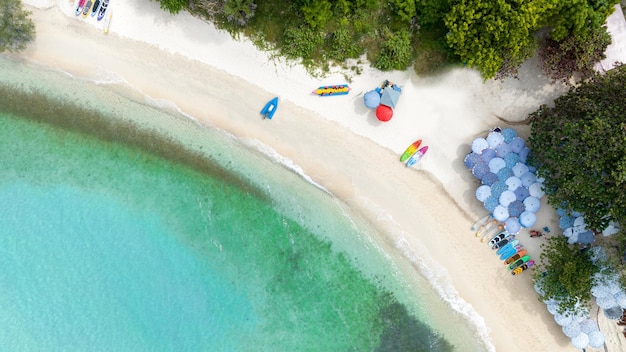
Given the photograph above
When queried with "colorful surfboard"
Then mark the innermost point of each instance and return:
(503, 242)
(410, 150)
(523, 267)
(508, 247)
(515, 257)
(519, 262)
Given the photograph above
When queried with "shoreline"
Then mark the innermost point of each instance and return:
(342, 147)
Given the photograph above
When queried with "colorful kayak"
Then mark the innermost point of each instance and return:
(417, 156)
(270, 108)
(523, 267)
(515, 257)
(519, 262)
(410, 150)
(506, 248)
(326, 91)
(503, 242)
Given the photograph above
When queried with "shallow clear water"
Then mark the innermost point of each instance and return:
(114, 238)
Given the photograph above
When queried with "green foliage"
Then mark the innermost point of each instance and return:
(575, 17)
(404, 9)
(576, 53)
(565, 274)
(16, 28)
(395, 52)
(431, 13)
(317, 13)
(342, 44)
(486, 33)
(239, 11)
(579, 147)
(303, 42)
(173, 6)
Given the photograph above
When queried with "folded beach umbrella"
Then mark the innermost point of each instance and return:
(500, 213)
(532, 204)
(488, 154)
(572, 330)
(573, 238)
(491, 203)
(507, 197)
(586, 237)
(489, 178)
(479, 144)
(596, 339)
(483, 192)
(479, 170)
(536, 189)
(588, 326)
(523, 154)
(527, 219)
(528, 179)
(497, 188)
(390, 97)
(496, 164)
(512, 225)
(508, 134)
(521, 193)
(504, 174)
(517, 144)
(384, 113)
(516, 208)
(519, 169)
(494, 139)
(503, 150)
(513, 183)
(371, 99)
(581, 341)
(511, 159)
(568, 232)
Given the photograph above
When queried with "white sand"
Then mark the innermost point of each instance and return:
(337, 141)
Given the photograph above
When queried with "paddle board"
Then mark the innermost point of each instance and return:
(491, 233)
(519, 262)
(510, 251)
(486, 227)
(417, 156)
(506, 248)
(523, 267)
(515, 257)
(411, 150)
(107, 22)
(497, 238)
(503, 242)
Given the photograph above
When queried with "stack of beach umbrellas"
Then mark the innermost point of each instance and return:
(509, 189)
(575, 229)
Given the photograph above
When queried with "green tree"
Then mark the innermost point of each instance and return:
(16, 27)
(239, 11)
(395, 51)
(405, 9)
(575, 17)
(173, 6)
(317, 13)
(565, 274)
(579, 147)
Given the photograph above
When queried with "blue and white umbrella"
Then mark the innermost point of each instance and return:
(527, 219)
(588, 326)
(504, 174)
(606, 302)
(489, 179)
(508, 134)
(532, 204)
(519, 169)
(516, 208)
(566, 222)
(472, 159)
(563, 319)
(496, 164)
(494, 139)
(517, 144)
(491, 203)
(503, 150)
(500, 213)
(497, 188)
(511, 159)
(536, 189)
(528, 179)
(483, 192)
(581, 341)
(479, 144)
(620, 298)
(521, 193)
(371, 99)
(488, 154)
(596, 339)
(572, 330)
(479, 170)
(513, 183)
(568, 232)
(613, 313)
(586, 237)
(523, 154)
(507, 197)
(512, 225)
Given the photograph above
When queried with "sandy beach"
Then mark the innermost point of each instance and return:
(425, 212)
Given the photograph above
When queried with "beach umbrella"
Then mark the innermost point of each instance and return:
(521, 193)
(612, 229)
(600, 290)
(527, 219)
(508, 134)
(579, 221)
(586, 237)
(536, 189)
(483, 192)
(613, 313)
(491, 203)
(614, 287)
(513, 183)
(620, 299)
(494, 139)
(504, 174)
(496, 164)
(561, 212)
(540, 291)
(573, 238)
(572, 330)
(507, 197)
(566, 222)
(503, 150)
(576, 214)
(588, 326)
(500, 213)
(479, 144)
(519, 169)
(563, 319)
(479, 170)
(511, 159)
(472, 159)
(553, 307)
(497, 188)
(390, 97)
(384, 113)
(512, 225)
(568, 232)
(606, 302)
(523, 154)
(581, 341)
(528, 179)
(596, 339)
(516, 208)
(488, 154)
(489, 178)
(371, 99)
(532, 204)
(517, 144)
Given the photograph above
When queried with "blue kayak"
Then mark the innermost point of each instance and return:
(270, 108)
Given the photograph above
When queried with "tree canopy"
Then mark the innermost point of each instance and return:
(16, 28)
(579, 147)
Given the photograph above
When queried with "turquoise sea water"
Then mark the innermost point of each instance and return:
(124, 227)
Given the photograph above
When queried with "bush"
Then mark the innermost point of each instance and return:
(16, 28)
(396, 51)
